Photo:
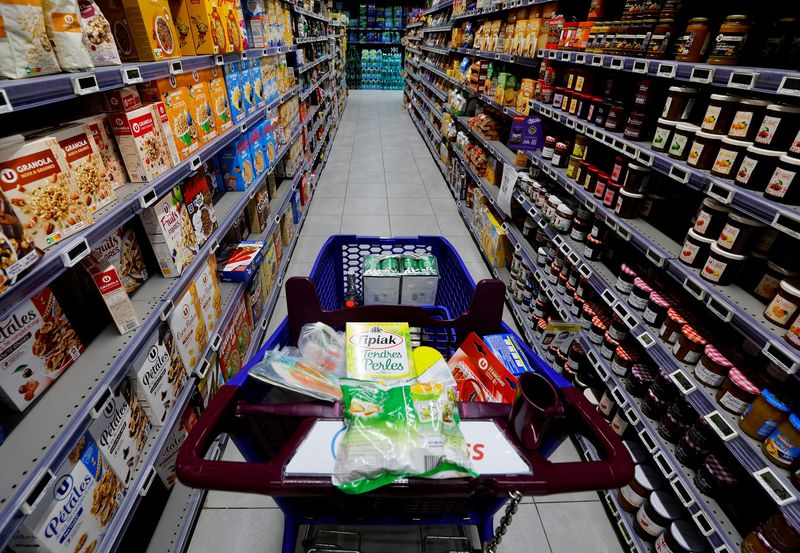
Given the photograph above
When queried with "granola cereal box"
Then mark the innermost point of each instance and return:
(189, 329)
(166, 132)
(152, 29)
(37, 344)
(207, 287)
(165, 463)
(112, 160)
(169, 230)
(174, 92)
(158, 375)
(200, 95)
(120, 430)
(120, 99)
(83, 156)
(219, 98)
(17, 252)
(109, 283)
(141, 143)
(122, 249)
(39, 185)
(235, 341)
(74, 513)
(197, 198)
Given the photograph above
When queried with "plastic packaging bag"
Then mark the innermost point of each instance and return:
(323, 347)
(97, 35)
(64, 29)
(25, 50)
(286, 368)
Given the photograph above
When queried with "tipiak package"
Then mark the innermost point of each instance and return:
(219, 98)
(39, 185)
(169, 230)
(122, 249)
(152, 29)
(120, 431)
(74, 514)
(197, 198)
(479, 374)
(141, 143)
(207, 287)
(174, 92)
(37, 344)
(379, 352)
(189, 328)
(204, 118)
(103, 137)
(158, 375)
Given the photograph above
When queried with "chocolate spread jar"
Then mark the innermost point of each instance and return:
(646, 480)
(656, 515)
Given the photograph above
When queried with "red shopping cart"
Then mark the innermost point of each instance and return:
(289, 446)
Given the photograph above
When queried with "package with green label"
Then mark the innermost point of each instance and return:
(379, 351)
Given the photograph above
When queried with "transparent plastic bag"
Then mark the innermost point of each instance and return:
(287, 369)
(323, 347)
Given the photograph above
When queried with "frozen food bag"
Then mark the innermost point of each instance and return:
(25, 49)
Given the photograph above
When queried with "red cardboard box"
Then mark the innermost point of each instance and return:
(480, 375)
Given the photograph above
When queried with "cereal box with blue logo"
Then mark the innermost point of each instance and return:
(234, 84)
(236, 165)
(248, 88)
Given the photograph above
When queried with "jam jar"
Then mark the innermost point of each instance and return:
(639, 379)
(608, 347)
(693, 43)
(771, 276)
(619, 424)
(736, 235)
(681, 537)
(656, 515)
(637, 178)
(731, 152)
(720, 111)
(763, 416)
(646, 480)
(778, 128)
(598, 329)
(714, 478)
(757, 542)
(712, 368)
(695, 249)
(756, 167)
(689, 346)
(662, 137)
(653, 405)
(549, 147)
(617, 329)
(704, 150)
(623, 360)
(783, 306)
(640, 294)
(737, 392)
(625, 279)
(680, 102)
(656, 310)
(711, 218)
(671, 328)
(681, 140)
(749, 113)
(784, 185)
(689, 452)
(728, 45)
(722, 267)
(782, 447)
(628, 204)
(593, 248)
(561, 155)
(780, 533)
(676, 421)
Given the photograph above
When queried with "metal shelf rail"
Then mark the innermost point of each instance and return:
(501, 56)
(439, 6)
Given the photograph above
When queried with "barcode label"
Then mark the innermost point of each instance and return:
(432, 461)
(130, 325)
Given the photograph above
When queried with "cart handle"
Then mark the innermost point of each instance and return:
(484, 315)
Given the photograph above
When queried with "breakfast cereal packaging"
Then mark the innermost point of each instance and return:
(237, 165)
(174, 92)
(107, 279)
(233, 18)
(17, 252)
(189, 330)
(169, 230)
(258, 84)
(37, 344)
(152, 29)
(64, 31)
(197, 199)
(235, 341)
(165, 462)
(120, 430)
(122, 249)
(167, 135)
(25, 49)
(74, 514)
(379, 352)
(207, 34)
(257, 151)
(256, 22)
(183, 25)
(141, 143)
(117, 19)
(158, 375)
(258, 211)
(234, 84)
(248, 88)
(207, 287)
(84, 159)
(37, 181)
(204, 118)
(269, 142)
(112, 161)
(219, 98)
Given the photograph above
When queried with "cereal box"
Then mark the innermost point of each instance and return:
(74, 512)
(141, 143)
(158, 375)
(121, 430)
(166, 132)
(169, 230)
(207, 33)
(112, 161)
(120, 99)
(239, 262)
(122, 249)
(37, 344)
(197, 198)
(231, 11)
(254, 295)
(256, 22)
(200, 95)
(379, 352)
(152, 29)
(84, 159)
(108, 281)
(248, 90)
(165, 463)
(17, 252)
(188, 328)
(258, 84)
(219, 98)
(114, 13)
(237, 165)
(36, 179)
(234, 84)
(235, 341)
(258, 211)
(257, 151)
(174, 92)
(207, 287)
(269, 142)
(269, 76)
(183, 25)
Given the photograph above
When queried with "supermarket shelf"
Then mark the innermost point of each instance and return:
(47, 431)
(308, 13)
(20, 94)
(310, 39)
(441, 94)
(439, 6)
(415, 25)
(497, 8)
(376, 28)
(314, 86)
(753, 204)
(437, 28)
(436, 112)
(130, 199)
(428, 142)
(443, 50)
(442, 74)
(508, 58)
(375, 43)
(730, 303)
(414, 50)
(436, 133)
(782, 82)
(306, 66)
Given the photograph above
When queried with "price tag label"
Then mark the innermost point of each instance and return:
(656, 257)
(166, 310)
(789, 86)
(786, 362)
(624, 234)
(196, 162)
(37, 493)
(779, 492)
(631, 415)
(608, 297)
(618, 397)
(646, 339)
(551, 54)
(666, 70)
(663, 464)
(75, 252)
(612, 224)
(682, 382)
(629, 150)
(644, 157)
(702, 75)
(742, 80)
(100, 404)
(720, 426)
(580, 127)
(722, 549)
(720, 308)
(85, 84)
(679, 174)
(694, 288)
(564, 56)
(647, 440)
(617, 63)
(787, 222)
(720, 192)
(580, 58)
(131, 75)
(5, 103)
(597, 61)
(176, 67)
(585, 271)
(681, 492)
(640, 66)
(701, 520)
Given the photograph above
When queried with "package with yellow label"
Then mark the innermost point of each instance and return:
(183, 25)
(152, 29)
(379, 352)
(173, 91)
(200, 96)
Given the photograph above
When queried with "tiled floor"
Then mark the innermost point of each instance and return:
(381, 180)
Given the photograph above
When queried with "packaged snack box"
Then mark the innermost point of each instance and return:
(75, 514)
(235, 341)
(248, 88)
(166, 133)
(40, 187)
(254, 294)
(202, 111)
(257, 151)
(121, 430)
(165, 463)
(219, 98)
(109, 283)
(112, 160)
(207, 288)
(122, 249)
(152, 29)
(120, 99)
(158, 375)
(508, 352)
(239, 262)
(84, 159)
(17, 252)
(258, 84)
(197, 198)
(37, 344)
(524, 95)
(379, 352)
(141, 143)
(170, 233)
(269, 76)
(269, 142)
(114, 12)
(237, 165)
(174, 92)
(233, 22)
(207, 27)
(258, 211)
(479, 374)
(234, 84)
(256, 21)
(183, 26)
(187, 326)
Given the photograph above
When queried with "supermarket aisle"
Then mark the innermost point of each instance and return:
(381, 180)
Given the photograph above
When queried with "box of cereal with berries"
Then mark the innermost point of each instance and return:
(37, 344)
(74, 512)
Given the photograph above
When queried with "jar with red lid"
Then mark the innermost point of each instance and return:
(640, 294)
(600, 186)
(549, 147)
(625, 278)
(695, 249)
(580, 174)
(656, 310)
(576, 358)
(594, 103)
(577, 305)
(561, 359)
(711, 218)
(674, 423)
(646, 480)
(615, 117)
(611, 194)
(784, 185)
(689, 346)
(608, 347)
(618, 330)
(714, 477)
(561, 285)
(561, 155)
(737, 392)
(623, 360)
(619, 170)
(712, 368)
(590, 180)
(671, 328)
(656, 515)
(593, 248)
(640, 378)
(781, 310)
(598, 329)
(653, 406)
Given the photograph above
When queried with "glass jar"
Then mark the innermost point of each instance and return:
(625, 278)
(714, 478)
(738, 233)
(763, 416)
(695, 249)
(728, 46)
(601, 112)
(615, 117)
(659, 511)
(731, 151)
(608, 347)
(661, 39)
(598, 329)
(784, 305)
(640, 294)
(779, 532)
(737, 392)
(637, 178)
(784, 185)
(688, 452)
(623, 360)
(580, 148)
(756, 167)
(656, 310)
(692, 44)
(680, 537)
(600, 187)
(653, 405)
(671, 328)
(773, 273)
(549, 147)
(689, 346)
(719, 113)
(636, 127)
(782, 447)
(744, 124)
(722, 267)
(561, 155)
(680, 102)
(628, 204)
(639, 379)
(572, 167)
(681, 139)
(610, 194)
(646, 480)
(712, 368)
(704, 150)
(662, 137)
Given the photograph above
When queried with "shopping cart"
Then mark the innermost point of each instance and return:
(269, 431)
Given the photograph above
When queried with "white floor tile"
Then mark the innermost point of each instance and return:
(444, 206)
(330, 189)
(322, 225)
(238, 531)
(369, 189)
(367, 177)
(414, 225)
(452, 225)
(578, 527)
(406, 190)
(404, 178)
(327, 206)
(526, 533)
(308, 247)
(366, 225)
(356, 206)
(410, 206)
